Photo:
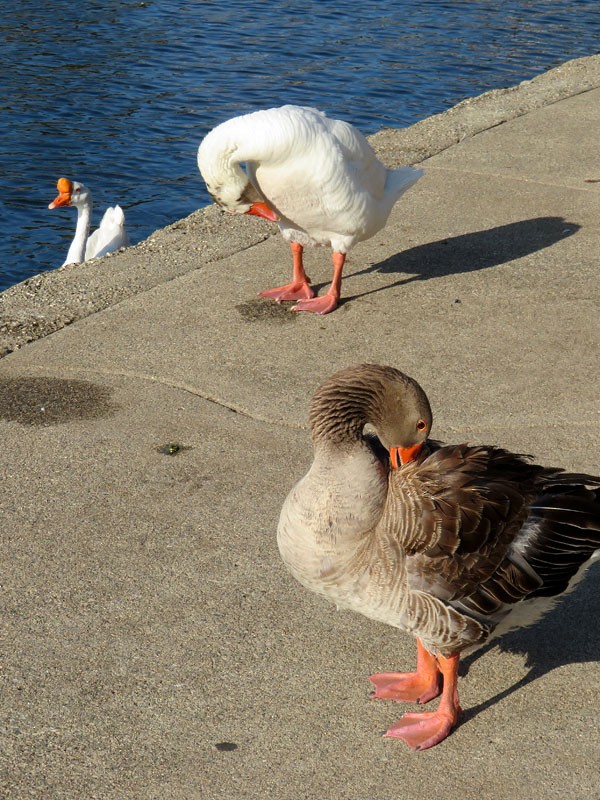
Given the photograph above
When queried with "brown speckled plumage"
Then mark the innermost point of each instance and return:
(460, 543)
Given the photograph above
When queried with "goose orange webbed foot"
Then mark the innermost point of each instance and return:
(422, 730)
(318, 305)
(329, 301)
(290, 292)
(299, 287)
(420, 686)
(406, 687)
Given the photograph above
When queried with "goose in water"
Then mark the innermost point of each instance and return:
(318, 178)
(452, 543)
(111, 234)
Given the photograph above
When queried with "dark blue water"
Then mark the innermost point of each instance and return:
(118, 94)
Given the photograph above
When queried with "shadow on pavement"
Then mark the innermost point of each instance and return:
(470, 252)
(567, 635)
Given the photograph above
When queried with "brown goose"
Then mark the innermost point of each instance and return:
(453, 543)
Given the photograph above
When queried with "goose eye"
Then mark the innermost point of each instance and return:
(421, 425)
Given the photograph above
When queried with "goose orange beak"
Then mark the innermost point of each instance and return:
(65, 187)
(262, 210)
(402, 455)
(63, 199)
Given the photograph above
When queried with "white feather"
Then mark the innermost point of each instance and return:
(320, 175)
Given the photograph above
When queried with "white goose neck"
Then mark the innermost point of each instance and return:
(76, 254)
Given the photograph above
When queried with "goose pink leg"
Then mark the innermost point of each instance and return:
(423, 730)
(328, 302)
(410, 687)
(299, 288)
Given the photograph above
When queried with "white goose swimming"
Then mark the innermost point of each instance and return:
(110, 235)
(455, 544)
(318, 178)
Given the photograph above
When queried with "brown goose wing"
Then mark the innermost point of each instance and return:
(456, 512)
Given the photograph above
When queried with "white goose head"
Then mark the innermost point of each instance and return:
(226, 181)
(71, 193)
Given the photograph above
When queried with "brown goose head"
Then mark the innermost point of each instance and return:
(390, 401)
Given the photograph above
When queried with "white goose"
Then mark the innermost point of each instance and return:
(318, 178)
(110, 235)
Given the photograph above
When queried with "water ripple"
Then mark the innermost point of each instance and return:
(119, 93)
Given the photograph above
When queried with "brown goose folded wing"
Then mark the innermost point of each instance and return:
(484, 527)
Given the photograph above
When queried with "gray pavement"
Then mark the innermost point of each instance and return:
(153, 644)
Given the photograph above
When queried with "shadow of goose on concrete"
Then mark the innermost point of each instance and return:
(469, 252)
(47, 400)
(567, 635)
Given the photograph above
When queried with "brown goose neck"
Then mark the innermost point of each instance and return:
(339, 416)
(392, 402)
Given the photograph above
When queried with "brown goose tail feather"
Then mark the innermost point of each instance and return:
(563, 531)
